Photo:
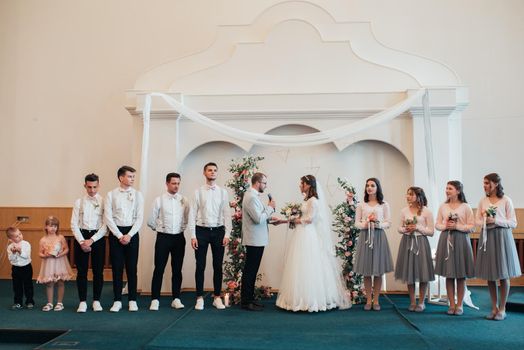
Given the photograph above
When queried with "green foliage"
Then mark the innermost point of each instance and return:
(344, 226)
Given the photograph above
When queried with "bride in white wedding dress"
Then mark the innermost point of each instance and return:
(312, 280)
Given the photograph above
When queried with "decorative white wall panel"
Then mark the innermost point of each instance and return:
(292, 70)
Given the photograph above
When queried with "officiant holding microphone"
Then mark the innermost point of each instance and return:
(255, 219)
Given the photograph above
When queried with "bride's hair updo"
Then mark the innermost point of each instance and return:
(312, 182)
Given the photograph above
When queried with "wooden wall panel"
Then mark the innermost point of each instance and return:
(33, 230)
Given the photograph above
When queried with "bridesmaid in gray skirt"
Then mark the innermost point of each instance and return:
(497, 257)
(373, 257)
(414, 262)
(454, 259)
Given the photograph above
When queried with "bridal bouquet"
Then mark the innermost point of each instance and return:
(491, 211)
(291, 211)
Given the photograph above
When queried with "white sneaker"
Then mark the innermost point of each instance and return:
(133, 306)
(177, 304)
(82, 307)
(218, 303)
(199, 304)
(154, 305)
(96, 306)
(117, 306)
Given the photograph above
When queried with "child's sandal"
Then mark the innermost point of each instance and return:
(47, 307)
(59, 307)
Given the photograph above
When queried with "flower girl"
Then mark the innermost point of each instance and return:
(55, 267)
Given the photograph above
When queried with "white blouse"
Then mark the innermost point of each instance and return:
(425, 223)
(465, 218)
(381, 212)
(505, 216)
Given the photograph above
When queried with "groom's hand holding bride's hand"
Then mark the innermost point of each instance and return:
(275, 220)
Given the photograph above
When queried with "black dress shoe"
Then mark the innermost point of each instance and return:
(251, 307)
(258, 304)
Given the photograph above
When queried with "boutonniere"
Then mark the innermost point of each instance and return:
(96, 205)
(130, 196)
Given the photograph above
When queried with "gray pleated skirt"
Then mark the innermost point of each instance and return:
(500, 259)
(459, 262)
(414, 261)
(375, 260)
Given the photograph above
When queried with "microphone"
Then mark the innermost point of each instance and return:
(270, 197)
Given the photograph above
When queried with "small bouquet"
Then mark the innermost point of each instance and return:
(291, 211)
(491, 211)
(54, 249)
(408, 222)
(452, 217)
(373, 218)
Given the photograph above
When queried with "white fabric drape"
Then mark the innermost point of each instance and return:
(311, 139)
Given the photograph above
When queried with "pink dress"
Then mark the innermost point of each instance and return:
(55, 269)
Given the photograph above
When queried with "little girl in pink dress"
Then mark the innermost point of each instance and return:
(55, 268)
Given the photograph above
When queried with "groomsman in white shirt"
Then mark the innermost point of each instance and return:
(123, 215)
(89, 230)
(210, 225)
(169, 219)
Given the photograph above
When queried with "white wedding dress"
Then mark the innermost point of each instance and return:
(311, 280)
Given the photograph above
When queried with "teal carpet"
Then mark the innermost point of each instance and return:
(392, 328)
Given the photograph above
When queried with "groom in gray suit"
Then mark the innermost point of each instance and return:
(255, 218)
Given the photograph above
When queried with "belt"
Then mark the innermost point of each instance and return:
(210, 228)
(89, 231)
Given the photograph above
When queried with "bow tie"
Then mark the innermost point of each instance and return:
(212, 187)
(124, 190)
(173, 196)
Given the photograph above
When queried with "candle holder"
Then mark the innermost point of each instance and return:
(226, 300)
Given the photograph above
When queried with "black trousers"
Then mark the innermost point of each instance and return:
(249, 274)
(23, 284)
(206, 236)
(124, 256)
(174, 244)
(97, 254)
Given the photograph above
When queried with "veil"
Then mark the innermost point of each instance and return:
(323, 222)
(323, 226)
